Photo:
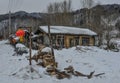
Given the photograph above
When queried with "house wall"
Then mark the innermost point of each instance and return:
(68, 38)
(46, 40)
(80, 40)
(91, 40)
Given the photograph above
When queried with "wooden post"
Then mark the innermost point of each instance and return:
(30, 46)
(51, 45)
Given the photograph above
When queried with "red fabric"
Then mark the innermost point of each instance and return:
(20, 32)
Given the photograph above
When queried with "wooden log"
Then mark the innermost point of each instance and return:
(91, 75)
(69, 69)
(77, 73)
(97, 75)
(51, 70)
(62, 75)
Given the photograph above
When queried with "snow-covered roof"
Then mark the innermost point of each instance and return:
(67, 30)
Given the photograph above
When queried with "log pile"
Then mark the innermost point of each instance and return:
(68, 72)
(52, 71)
(48, 60)
(45, 58)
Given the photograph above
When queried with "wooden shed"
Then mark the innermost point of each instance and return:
(63, 36)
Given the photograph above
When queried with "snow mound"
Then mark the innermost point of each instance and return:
(16, 38)
(4, 42)
(86, 48)
(115, 42)
(46, 49)
(19, 45)
(28, 72)
(20, 49)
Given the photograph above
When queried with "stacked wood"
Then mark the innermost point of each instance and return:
(62, 75)
(40, 47)
(48, 60)
(45, 58)
(77, 73)
(38, 56)
(69, 69)
(68, 72)
(51, 70)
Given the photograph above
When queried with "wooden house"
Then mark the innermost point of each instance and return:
(63, 36)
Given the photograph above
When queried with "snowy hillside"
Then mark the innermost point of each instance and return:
(86, 60)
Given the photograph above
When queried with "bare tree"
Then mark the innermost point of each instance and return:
(108, 22)
(66, 12)
(50, 8)
(88, 4)
(118, 27)
(60, 12)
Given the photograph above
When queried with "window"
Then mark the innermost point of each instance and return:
(58, 41)
(85, 41)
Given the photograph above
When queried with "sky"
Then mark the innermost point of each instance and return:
(40, 5)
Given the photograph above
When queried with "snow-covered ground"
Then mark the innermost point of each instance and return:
(85, 61)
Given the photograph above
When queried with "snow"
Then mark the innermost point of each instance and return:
(67, 30)
(16, 38)
(115, 41)
(113, 33)
(14, 69)
(46, 49)
(34, 36)
(19, 45)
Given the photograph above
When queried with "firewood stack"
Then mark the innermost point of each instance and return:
(45, 58)
(48, 60)
(38, 56)
(51, 70)
(40, 47)
(62, 75)
(69, 71)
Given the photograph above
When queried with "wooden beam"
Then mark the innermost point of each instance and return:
(51, 45)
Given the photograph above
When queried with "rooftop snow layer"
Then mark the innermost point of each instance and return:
(67, 30)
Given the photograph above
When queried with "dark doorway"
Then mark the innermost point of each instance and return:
(76, 41)
(71, 40)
